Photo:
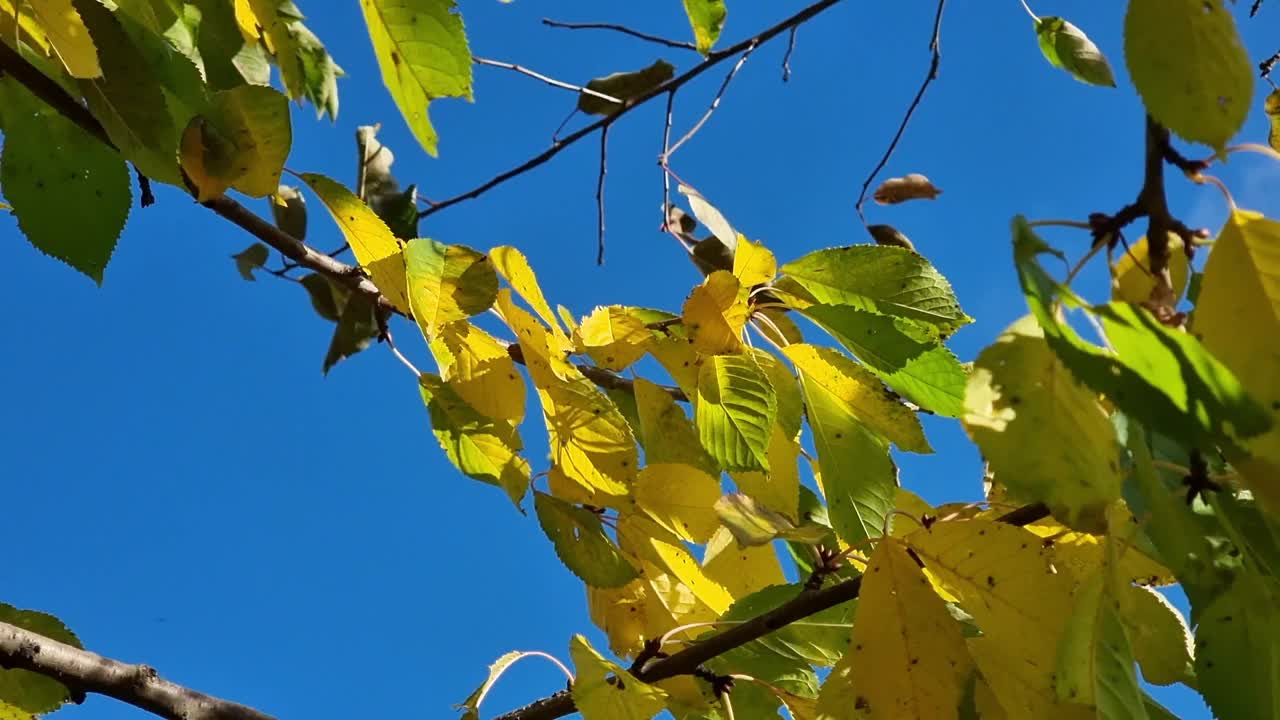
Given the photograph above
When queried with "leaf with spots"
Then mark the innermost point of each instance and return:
(480, 370)
(908, 658)
(1238, 650)
(69, 192)
(614, 337)
(581, 543)
(605, 691)
(707, 18)
(680, 498)
(27, 691)
(447, 283)
(422, 50)
(1095, 660)
(715, 313)
(482, 448)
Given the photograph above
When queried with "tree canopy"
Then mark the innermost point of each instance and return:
(722, 475)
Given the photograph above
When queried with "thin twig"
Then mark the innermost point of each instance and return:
(604, 169)
(935, 50)
(386, 336)
(550, 81)
(622, 29)
(715, 103)
(1254, 10)
(713, 59)
(786, 58)
(662, 162)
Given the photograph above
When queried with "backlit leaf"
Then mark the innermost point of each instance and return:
(680, 498)
(707, 18)
(240, 141)
(275, 18)
(28, 691)
(605, 691)
(375, 248)
(544, 355)
(820, 639)
(907, 658)
(665, 430)
(1238, 650)
(1066, 46)
(715, 313)
(68, 36)
(614, 337)
(735, 409)
(69, 192)
(589, 438)
(753, 263)
(514, 267)
(623, 86)
(741, 570)
(581, 543)
(422, 50)
(779, 489)
(482, 448)
(651, 542)
(1095, 661)
(229, 57)
(447, 283)
(1160, 637)
(480, 370)
(471, 706)
(752, 524)
(1272, 109)
(1190, 67)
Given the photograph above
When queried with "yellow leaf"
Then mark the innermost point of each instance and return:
(605, 691)
(908, 502)
(741, 570)
(275, 17)
(23, 24)
(649, 541)
(680, 498)
(544, 355)
(620, 613)
(779, 489)
(447, 283)
(1271, 106)
(614, 337)
(680, 360)
(715, 314)
(240, 141)
(753, 263)
(907, 658)
(248, 23)
(482, 448)
(1134, 281)
(68, 36)
(590, 439)
(377, 250)
(480, 369)
(1002, 578)
(665, 431)
(1237, 317)
(514, 267)
(1082, 555)
(672, 601)
(862, 392)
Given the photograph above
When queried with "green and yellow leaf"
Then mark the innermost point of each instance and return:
(735, 410)
(581, 543)
(605, 691)
(447, 283)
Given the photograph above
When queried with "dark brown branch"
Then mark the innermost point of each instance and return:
(671, 85)
(682, 45)
(604, 169)
(935, 59)
(1266, 66)
(46, 89)
(1257, 4)
(137, 685)
(687, 661)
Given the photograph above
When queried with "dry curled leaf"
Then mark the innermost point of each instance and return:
(889, 235)
(912, 187)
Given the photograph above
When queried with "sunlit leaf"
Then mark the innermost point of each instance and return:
(1190, 67)
(1095, 661)
(482, 448)
(229, 57)
(715, 313)
(753, 263)
(605, 691)
(752, 524)
(471, 706)
(1159, 635)
(909, 187)
(820, 639)
(480, 370)
(447, 283)
(1066, 46)
(68, 36)
(735, 408)
(624, 86)
(741, 570)
(779, 488)
(680, 498)
(275, 18)
(1133, 278)
(1272, 109)
(241, 141)
(707, 18)
(614, 337)
(422, 50)
(581, 543)
(654, 544)
(514, 267)
(666, 432)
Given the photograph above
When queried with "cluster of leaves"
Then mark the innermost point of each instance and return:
(682, 522)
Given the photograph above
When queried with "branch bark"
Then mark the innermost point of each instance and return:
(137, 685)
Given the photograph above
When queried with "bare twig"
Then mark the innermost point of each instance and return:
(662, 160)
(1257, 4)
(622, 29)
(1266, 66)
(786, 58)
(935, 50)
(137, 685)
(715, 103)
(550, 81)
(713, 59)
(604, 169)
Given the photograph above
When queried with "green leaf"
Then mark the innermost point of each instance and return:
(319, 84)
(581, 543)
(482, 448)
(1160, 638)
(291, 217)
(1163, 378)
(1021, 404)
(31, 692)
(128, 99)
(624, 86)
(422, 50)
(1255, 532)
(276, 17)
(230, 58)
(905, 354)
(164, 41)
(707, 18)
(241, 141)
(859, 478)
(820, 639)
(604, 690)
(357, 326)
(447, 283)
(69, 191)
(1238, 650)
(1095, 662)
(735, 409)
(327, 298)
(1190, 67)
(882, 279)
(251, 258)
(753, 524)
(1066, 46)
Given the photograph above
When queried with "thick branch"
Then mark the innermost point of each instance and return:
(685, 662)
(671, 85)
(137, 685)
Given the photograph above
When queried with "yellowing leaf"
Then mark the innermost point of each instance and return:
(605, 691)
(907, 658)
(652, 543)
(680, 498)
(753, 263)
(68, 36)
(741, 570)
(1095, 662)
(22, 25)
(715, 313)
(581, 543)
(1272, 109)
(1001, 578)
(735, 409)
(1190, 67)
(275, 18)
(665, 430)
(620, 613)
(862, 393)
(1021, 402)
(679, 359)
(240, 141)
(422, 50)
(707, 18)
(1237, 318)
(901, 189)
(480, 370)
(1161, 640)
(514, 267)
(1080, 556)
(753, 524)
(1134, 281)
(614, 337)
(590, 440)
(471, 706)
(376, 249)
(482, 448)
(543, 354)
(447, 283)
(779, 488)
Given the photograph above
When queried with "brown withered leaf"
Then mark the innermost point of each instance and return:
(900, 189)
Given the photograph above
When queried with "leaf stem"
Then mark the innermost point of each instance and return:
(1027, 7)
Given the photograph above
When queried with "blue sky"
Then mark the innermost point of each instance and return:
(185, 489)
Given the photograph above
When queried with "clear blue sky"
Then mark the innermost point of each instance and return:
(184, 488)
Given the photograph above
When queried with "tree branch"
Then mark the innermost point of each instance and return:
(137, 685)
(680, 44)
(671, 85)
(685, 662)
(548, 80)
